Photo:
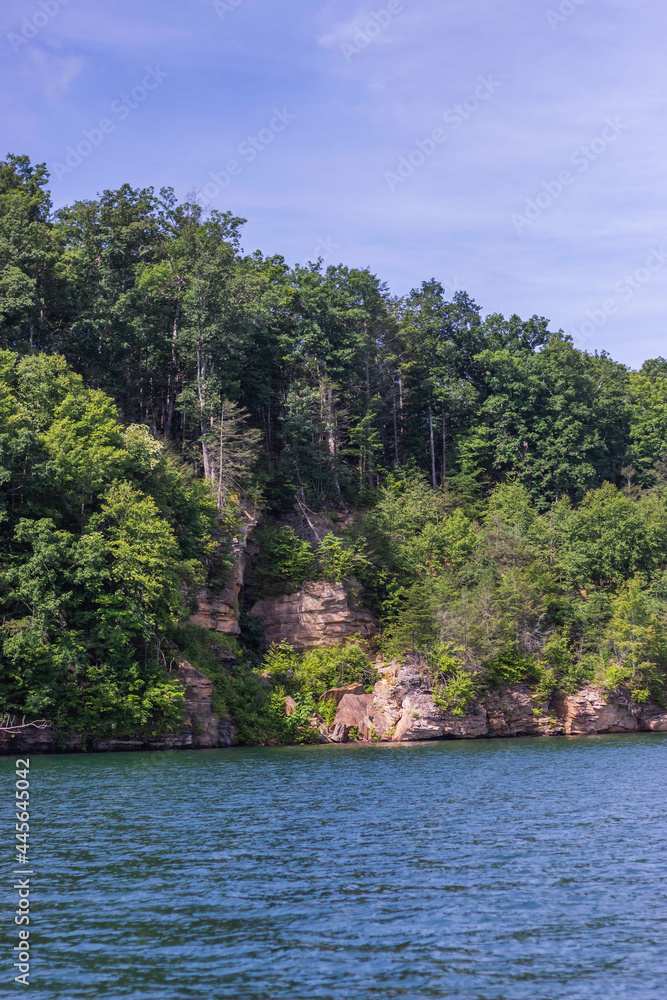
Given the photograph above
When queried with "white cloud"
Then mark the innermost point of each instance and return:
(52, 74)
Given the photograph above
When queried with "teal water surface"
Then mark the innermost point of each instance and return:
(480, 870)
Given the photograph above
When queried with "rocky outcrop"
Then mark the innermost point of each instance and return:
(202, 729)
(589, 711)
(317, 615)
(337, 694)
(352, 714)
(517, 712)
(402, 710)
(218, 610)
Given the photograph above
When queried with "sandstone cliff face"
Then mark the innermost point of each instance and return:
(202, 729)
(402, 709)
(317, 615)
(218, 610)
(589, 711)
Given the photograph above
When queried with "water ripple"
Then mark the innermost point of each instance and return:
(493, 870)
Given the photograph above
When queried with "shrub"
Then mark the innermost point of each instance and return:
(328, 710)
(326, 667)
(339, 558)
(456, 693)
(511, 667)
(285, 561)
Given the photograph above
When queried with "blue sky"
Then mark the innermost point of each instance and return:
(513, 148)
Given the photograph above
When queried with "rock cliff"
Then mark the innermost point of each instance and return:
(402, 709)
(317, 615)
(218, 610)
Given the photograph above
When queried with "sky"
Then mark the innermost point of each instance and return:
(514, 149)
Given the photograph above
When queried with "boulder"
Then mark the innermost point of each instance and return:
(339, 693)
(353, 712)
(317, 615)
(337, 733)
(653, 719)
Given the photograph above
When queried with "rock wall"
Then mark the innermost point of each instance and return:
(317, 615)
(202, 729)
(218, 609)
(401, 709)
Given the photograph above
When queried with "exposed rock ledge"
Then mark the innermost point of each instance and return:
(202, 730)
(402, 709)
(317, 615)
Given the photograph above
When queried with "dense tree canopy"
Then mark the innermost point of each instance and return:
(156, 304)
(502, 493)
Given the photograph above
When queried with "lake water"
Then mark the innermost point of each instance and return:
(483, 870)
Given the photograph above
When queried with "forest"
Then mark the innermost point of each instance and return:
(502, 495)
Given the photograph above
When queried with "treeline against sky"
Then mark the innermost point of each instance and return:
(319, 372)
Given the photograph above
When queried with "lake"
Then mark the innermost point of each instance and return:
(480, 870)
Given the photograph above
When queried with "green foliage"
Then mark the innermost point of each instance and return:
(285, 562)
(328, 710)
(280, 661)
(334, 666)
(99, 552)
(637, 643)
(410, 621)
(508, 491)
(511, 667)
(316, 670)
(402, 525)
(455, 687)
(338, 558)
(296, 727)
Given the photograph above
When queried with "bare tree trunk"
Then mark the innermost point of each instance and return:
(222, 420)
(444, 451)
(173, 375)
(393, 399)
(369, 450)
(269, 440)
(331, 425)
(430, 428)
(331, 435)
(204, 450)
(201, 381)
